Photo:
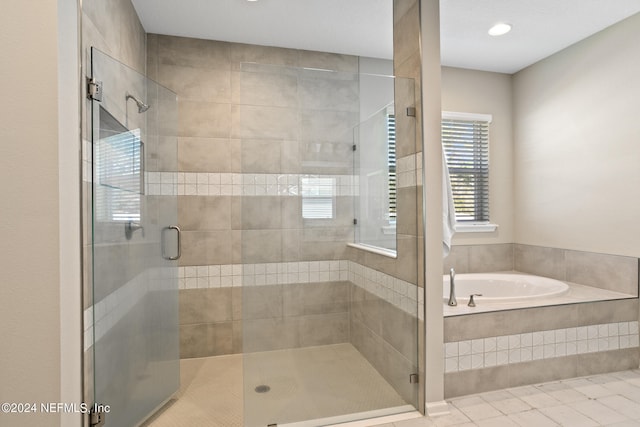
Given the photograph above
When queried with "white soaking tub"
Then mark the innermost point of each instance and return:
(502, 287)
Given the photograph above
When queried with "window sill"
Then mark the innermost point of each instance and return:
(374, 249)
(483, 227)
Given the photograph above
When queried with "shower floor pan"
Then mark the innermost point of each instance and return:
(282, 386)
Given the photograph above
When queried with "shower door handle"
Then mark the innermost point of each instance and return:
(178, 243)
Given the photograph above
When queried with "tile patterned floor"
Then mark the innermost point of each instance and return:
(600, 400)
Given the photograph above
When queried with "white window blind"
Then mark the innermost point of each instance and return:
(317, 197)
(118, 172)
(391, 156)
(465, 139)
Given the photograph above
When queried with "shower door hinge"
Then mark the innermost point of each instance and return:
(94, 89)
(411, 111)
(414, 379)
(354, 148)
(355, 221)
(96, 416)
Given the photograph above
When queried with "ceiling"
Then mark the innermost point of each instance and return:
(355, 27)
(364, 27)
(540, 28)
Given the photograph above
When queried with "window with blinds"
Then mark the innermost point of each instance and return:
(317, 197)
(465, 139)
(119, 168)
(391, 160)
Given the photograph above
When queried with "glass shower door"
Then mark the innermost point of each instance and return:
(326, 337)
(135, 242)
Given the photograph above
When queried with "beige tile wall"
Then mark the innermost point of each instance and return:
(510, 322)
(387, 337)
(113, 27)
(479, 258)
(519, 374)
(612, 272)
(229, 320)
(249, 118)
(513, 322)
(272, 118)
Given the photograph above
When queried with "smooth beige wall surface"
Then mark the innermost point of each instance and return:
(431, 205)
(29, 289)
(471, 91)
(577, 145)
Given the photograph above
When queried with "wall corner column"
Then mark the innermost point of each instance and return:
(432, 205)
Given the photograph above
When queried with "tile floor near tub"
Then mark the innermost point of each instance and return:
(599, 400)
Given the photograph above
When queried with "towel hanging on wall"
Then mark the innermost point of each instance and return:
(448, 209)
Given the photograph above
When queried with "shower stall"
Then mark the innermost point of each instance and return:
(235, 218)
(327, 336)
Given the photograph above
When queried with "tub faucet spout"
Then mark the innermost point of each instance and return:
(452, 288)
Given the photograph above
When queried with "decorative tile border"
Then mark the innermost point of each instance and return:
(409, 173)
(276, 273)
(399, 293)
(508, 349)
(404, 295)
(240, 184)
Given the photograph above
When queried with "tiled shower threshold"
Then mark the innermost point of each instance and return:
(363, 419)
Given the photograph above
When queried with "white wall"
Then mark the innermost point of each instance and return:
(29, 219)
(577, 145)
(471, 91)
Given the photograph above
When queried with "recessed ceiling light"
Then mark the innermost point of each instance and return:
(499, 29)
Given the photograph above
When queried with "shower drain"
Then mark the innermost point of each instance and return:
(262, 389)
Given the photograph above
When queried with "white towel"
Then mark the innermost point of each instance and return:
(448, 209)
